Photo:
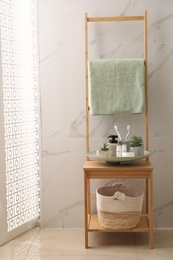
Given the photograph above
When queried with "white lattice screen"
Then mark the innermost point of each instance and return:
(19, 76)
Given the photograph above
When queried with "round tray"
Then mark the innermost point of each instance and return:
(92, 156)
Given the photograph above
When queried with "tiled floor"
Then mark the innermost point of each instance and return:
(68, 244)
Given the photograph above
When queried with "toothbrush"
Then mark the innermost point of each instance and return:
(116, 129)
(128, 131)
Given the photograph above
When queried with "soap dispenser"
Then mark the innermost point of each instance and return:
(112, 144)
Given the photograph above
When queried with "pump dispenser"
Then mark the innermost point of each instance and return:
(112, 144)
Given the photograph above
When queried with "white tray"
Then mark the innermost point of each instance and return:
(92, 156)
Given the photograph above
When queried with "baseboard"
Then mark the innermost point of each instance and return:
(163, 229)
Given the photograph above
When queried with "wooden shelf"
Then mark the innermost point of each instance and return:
(95, 226)
(95, 170)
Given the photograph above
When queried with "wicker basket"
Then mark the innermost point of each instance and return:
(119, 206)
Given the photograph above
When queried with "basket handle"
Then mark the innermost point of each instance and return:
(119, 185)
(118, 196)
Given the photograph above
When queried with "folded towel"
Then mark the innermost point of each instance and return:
(116, 86)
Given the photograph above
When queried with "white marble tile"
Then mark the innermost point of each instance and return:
(115, 8)
(159, 18)
(63, 172)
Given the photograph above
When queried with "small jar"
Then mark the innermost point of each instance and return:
(112, 144)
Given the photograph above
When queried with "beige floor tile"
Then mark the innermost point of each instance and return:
(68, 244)
(79, 258)
(6, 258)
(163, 245)
(19, 247)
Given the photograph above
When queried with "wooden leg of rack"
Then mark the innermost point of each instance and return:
(151, 212)
(88, 197)
(147, 197)
(86, 239)
(86, 208)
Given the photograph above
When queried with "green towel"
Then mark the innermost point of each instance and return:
(116, 86)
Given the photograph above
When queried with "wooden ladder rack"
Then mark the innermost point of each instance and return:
(141, 169)
(117, 19)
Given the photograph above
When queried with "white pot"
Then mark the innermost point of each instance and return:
(138, 151)
(102, 153)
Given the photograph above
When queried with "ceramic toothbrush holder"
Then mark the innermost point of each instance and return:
(127, 142)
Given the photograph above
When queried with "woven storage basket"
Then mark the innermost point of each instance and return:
(119, 206)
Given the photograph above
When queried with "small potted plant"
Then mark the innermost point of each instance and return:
(136, 144)
(104, 151)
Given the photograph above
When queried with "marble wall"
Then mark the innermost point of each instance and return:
(62, 80)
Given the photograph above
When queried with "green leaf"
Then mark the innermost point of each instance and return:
(136, 141)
